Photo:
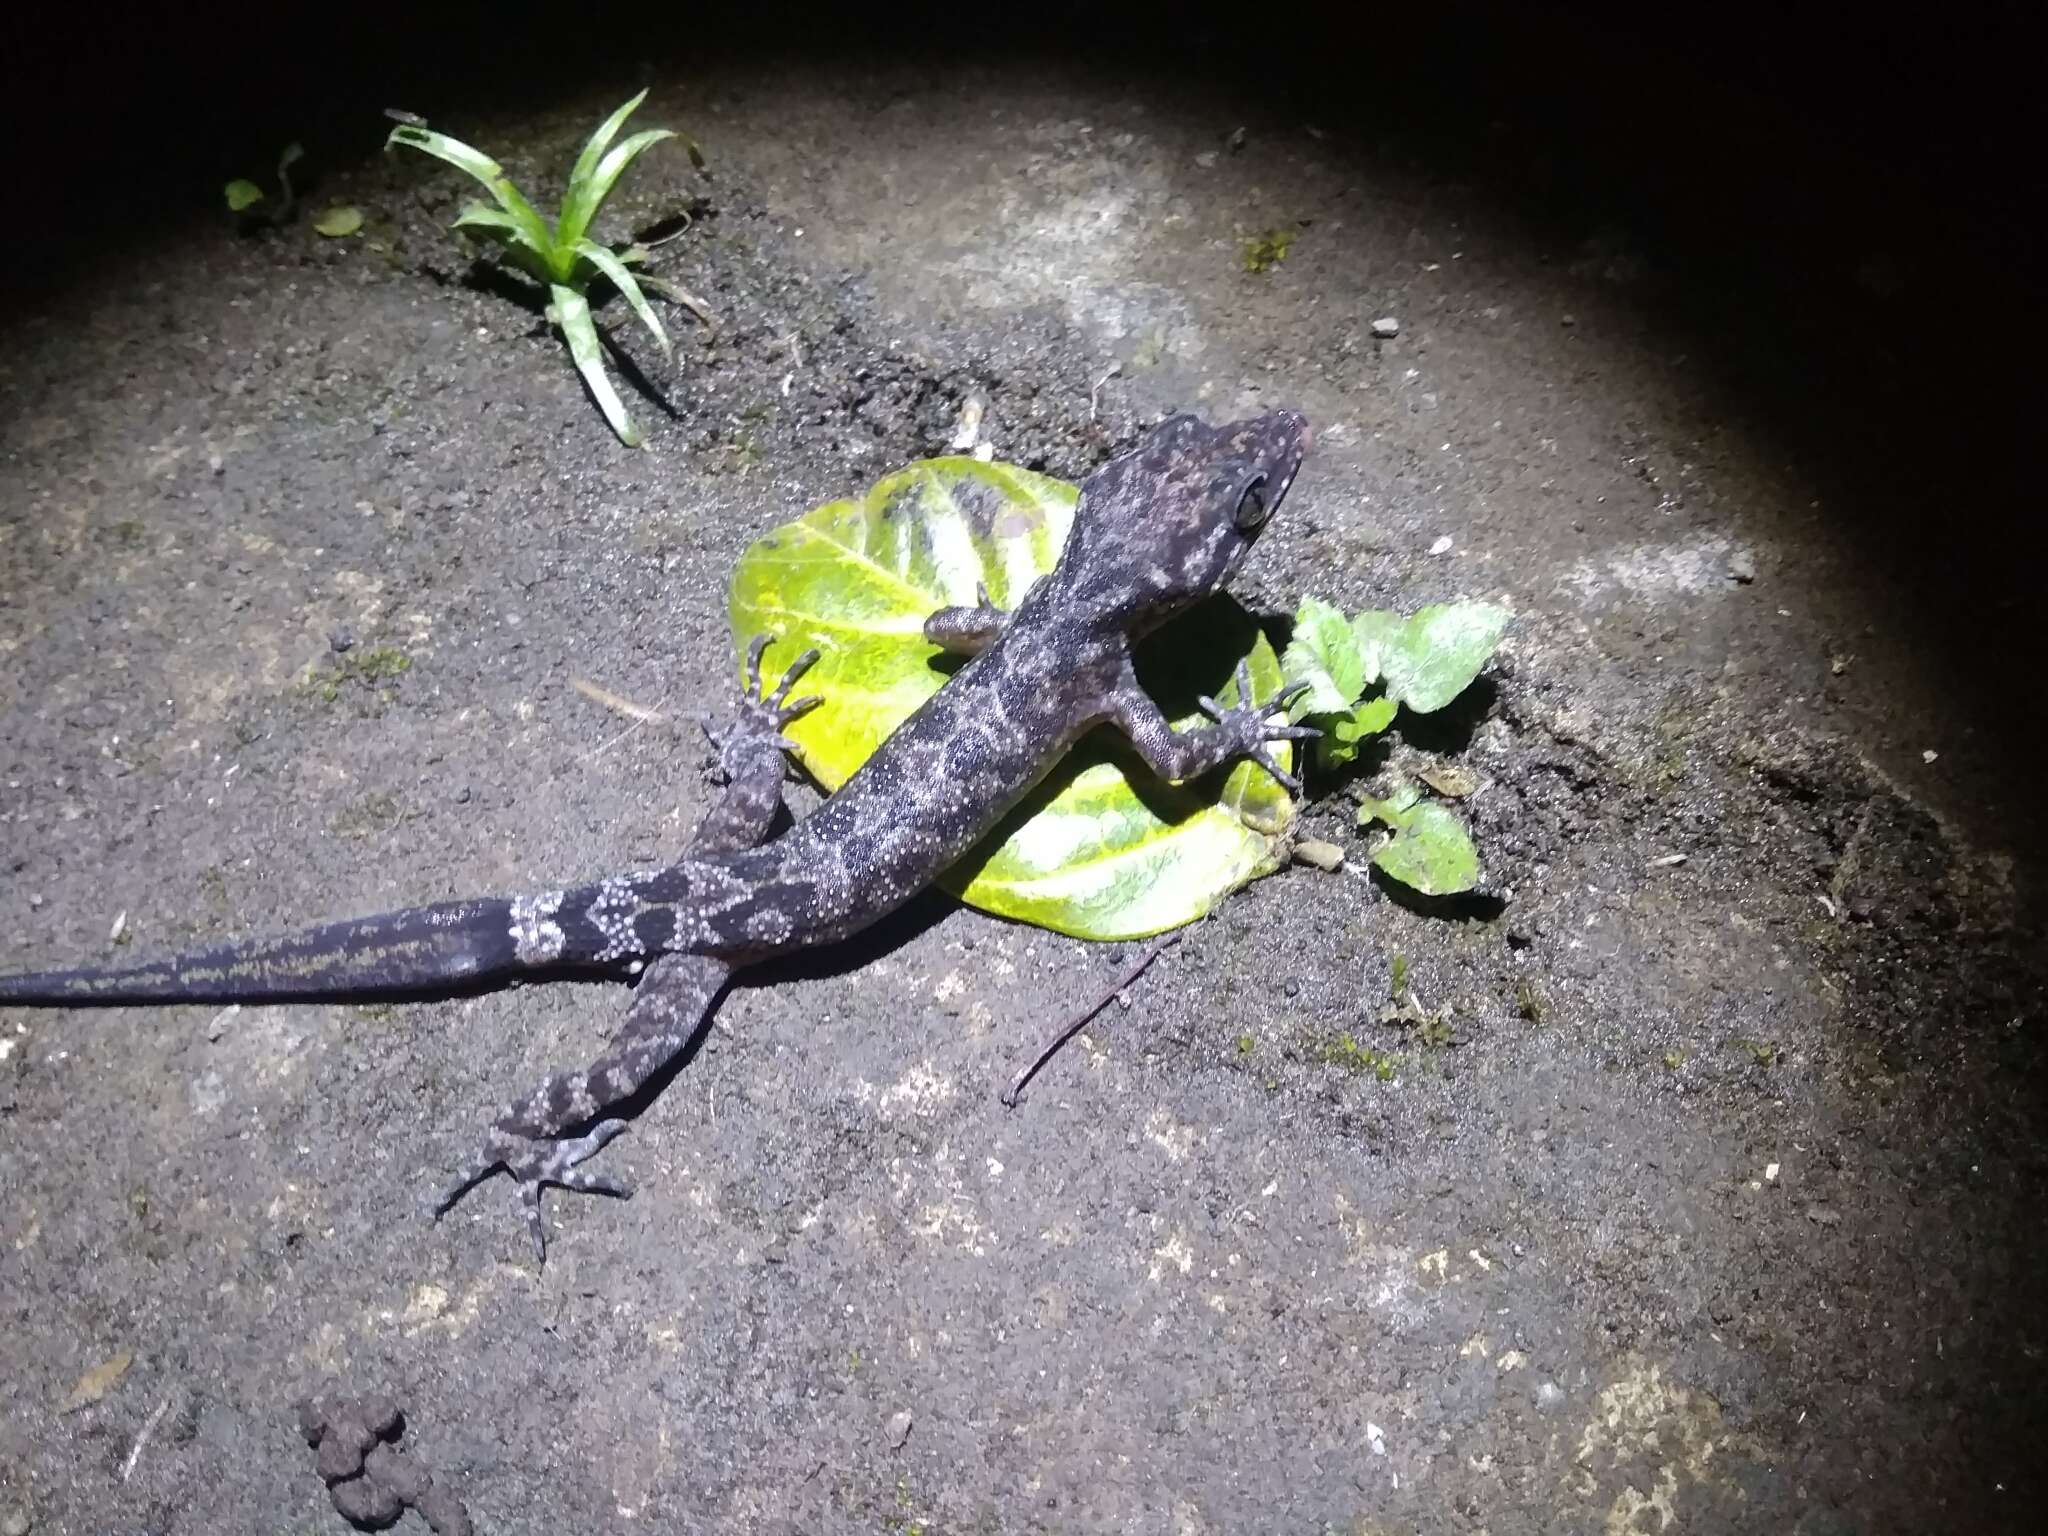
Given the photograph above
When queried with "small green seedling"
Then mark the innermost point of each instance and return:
(1262, 253)
(561, 255)
(1419, 662)
(245, 198)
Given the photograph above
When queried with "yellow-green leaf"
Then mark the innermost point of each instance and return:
(1430, 850)
(1324, 654)
(1087, 853)
(243, 194)
(97, 1382)
(339, 222)
(1431, 656)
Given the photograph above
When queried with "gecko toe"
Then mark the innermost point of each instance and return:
(533, 1165)
(1285, 779)
(800, 708)
(585, 1183)
(790, 674)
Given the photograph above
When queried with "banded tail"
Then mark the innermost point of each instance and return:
(452, 945)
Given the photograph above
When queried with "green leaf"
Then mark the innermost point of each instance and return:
(579, 203)
(1086, 854)
(534, 230)
(1390, 810)
(614, 164)
(593, 178)
(1430, 851)
(1375, 630)
(1325, 654)
(1437, 652)
(339, 222)
(571, 311)
(243, 195)
(1344, 734)
(601, 258)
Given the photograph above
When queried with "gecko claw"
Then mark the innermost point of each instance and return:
(1251, 724)
(756, 649)
(535, 1165)
(1286, 780)
(790, 674)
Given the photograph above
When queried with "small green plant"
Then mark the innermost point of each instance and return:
(1264, 252)
(1760, 1052)
(245, 199)
(1419, 662)
(1342, 1050)
(383, 664)
(561, 255)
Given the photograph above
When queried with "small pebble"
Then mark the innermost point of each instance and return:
(1292, 988)
(14, 1523)
(341, 641)
(1327, 857)
(1549, 1395)
(1742, 567)
(35, 900)
(1386, 327)
(899, 1430)
(462, 795)
(1442, 546)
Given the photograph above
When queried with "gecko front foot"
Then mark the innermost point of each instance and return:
(1248, 725)
(761, 716)
(535, 1163)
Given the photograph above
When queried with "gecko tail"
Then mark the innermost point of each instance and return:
(450, 946)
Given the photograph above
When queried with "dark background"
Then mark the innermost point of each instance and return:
(1842, 203)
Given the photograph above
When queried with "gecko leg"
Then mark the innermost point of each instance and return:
(1239, 731)
(967, 631)
(750, 762)
(530, 1139)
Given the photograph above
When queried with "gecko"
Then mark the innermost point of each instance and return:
(1155, 530)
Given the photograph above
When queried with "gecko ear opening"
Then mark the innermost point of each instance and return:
(1252, 508)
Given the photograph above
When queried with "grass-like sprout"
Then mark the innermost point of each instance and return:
(561, 255)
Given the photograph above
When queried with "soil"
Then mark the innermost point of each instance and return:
(1709, 1201)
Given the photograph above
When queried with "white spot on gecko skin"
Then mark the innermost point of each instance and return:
(536, 936)
(770, 925)
(612, 912)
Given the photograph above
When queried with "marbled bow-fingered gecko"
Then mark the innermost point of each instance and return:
(1156, 529)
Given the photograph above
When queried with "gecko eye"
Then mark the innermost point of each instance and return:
(1251, 506)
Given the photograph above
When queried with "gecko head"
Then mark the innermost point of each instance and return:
(1164, 525)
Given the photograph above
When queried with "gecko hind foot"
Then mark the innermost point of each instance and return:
(535, 1164)
(1248, 721)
